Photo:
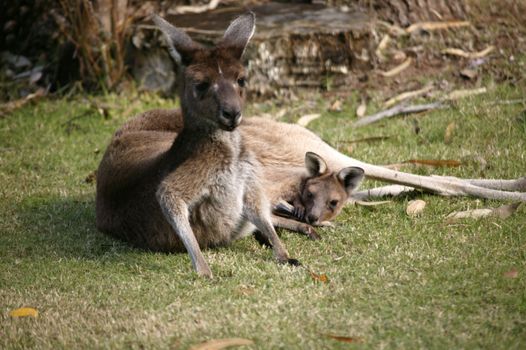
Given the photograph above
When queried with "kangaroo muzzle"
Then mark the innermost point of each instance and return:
(230, 119)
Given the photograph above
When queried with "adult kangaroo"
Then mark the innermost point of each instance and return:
(204, 190)
(295, 174)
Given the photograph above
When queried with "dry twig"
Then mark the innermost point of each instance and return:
(396, 70)
(407, 95)
(429, 26)
(470, 55)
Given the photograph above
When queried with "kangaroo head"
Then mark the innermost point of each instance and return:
(324, 193)
(211, 80)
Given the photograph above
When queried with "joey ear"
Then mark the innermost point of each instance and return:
(315, 164)
(180, 45)
(239, 32)
(350, 178)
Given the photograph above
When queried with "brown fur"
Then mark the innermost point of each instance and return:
(201, 189)
(317, 197)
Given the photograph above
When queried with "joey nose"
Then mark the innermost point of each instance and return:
(312, 219)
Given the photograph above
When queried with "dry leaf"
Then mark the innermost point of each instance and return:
(435, 162)
(306, 119)
(469, 74)
(245, 290)
(216, 344)
(336, 106)
(344, 339)
(448, 134)
(415, 207)
(92, 177)
(321, 278)
(360, 111)
(502, 212)
(513, 273)
(24, 312)
(396, 70)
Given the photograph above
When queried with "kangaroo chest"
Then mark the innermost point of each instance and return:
(217, 216)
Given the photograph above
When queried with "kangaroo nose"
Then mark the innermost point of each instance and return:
(231, 117)
(311, 219)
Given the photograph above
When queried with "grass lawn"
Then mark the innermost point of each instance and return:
(394, 281)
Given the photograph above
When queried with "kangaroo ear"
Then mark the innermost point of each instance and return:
(180, 45)
(315, 165)
(239, 32)
(350, 178)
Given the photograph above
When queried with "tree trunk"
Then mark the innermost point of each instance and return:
(407, 12)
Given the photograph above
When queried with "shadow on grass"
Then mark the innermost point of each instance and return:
(64, 227)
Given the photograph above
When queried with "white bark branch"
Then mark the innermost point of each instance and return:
(397, 110)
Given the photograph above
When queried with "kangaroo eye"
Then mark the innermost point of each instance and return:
(333, 203)
(202, 87)
(241, 82)
(310, 195)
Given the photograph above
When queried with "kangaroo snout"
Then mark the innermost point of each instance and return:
(230, 118)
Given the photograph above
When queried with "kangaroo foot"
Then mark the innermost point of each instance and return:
(294, 262)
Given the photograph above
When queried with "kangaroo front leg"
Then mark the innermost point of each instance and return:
(257, 211)
(176, 213)
(297, 226)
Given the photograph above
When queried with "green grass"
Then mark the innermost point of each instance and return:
(395, 281)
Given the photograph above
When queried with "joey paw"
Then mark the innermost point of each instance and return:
(299, 211)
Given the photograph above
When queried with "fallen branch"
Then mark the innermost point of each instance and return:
(517, 185)
(397, 110)
(11, 106)
(391, 190)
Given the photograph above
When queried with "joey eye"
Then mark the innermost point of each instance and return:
(241, 82)
(310, 195)
(202, 87)
(333, 203)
